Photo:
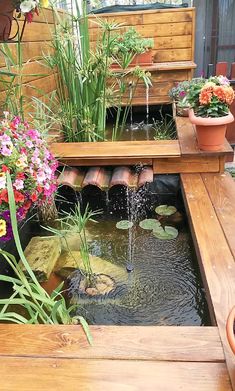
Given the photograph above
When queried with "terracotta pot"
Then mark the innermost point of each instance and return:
(139, 59)
(143, 58)
(210, 131)
(230, 329)
(6, 17)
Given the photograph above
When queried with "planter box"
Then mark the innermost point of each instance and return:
(144, 59)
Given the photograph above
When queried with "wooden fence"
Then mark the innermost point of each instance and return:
(38, 80)
(173, 31)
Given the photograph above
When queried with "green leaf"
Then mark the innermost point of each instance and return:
(150, 224)
(86, 329)
(166, 233)
(165, 210)
(124, 224)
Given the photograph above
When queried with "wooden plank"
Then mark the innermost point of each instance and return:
(117, 149)
(30, 71)
(46, 16)
(30, 51)
(216, 261)
(168, 55)
(188, 141)
(221, 190)
(113, 342)
(144, 17)
(103, 162)
(174, 42)
(167, 66)
(35, 32)
(186, 165)
(27, 374)
(153, 30)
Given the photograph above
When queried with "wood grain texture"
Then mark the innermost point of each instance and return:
(186, 165)
(216, 260)
(117, 149)
(27, 374)
(188, 140)
(221, 190)
(113, 342)
(77, 161)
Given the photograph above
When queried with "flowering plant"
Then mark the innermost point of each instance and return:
(23, 153)
(211, 97)
(30, 7)
(179, 91)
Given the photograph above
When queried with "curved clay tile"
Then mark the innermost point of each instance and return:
(121, 176)
(146, 176)
(97, 176)
(71, 177)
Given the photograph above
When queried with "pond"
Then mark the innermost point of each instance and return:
(152, 281)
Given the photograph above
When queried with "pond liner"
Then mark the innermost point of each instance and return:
(137, 7)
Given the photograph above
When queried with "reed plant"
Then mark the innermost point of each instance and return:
(86, 85)
(38, 306)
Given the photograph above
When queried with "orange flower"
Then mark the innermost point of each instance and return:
(219, 92)
(205, 96)
(229, 95)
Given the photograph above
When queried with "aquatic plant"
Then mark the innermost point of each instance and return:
(23, 154)
(165, 233)
(165, 210)
(149, 224)
(75, 223)
(164, 127)
(124, 224)
(28, 294)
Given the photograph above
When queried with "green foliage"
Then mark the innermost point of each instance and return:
(38, 306)
(126, 45)
(149, 224)
(124, 224)
(165, 210)
(83, 94)
(164, 127)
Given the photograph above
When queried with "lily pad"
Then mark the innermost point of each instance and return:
(165, 210)
(166, 233)
(150, 224)
(124, 224)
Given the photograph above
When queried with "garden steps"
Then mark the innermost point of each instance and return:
(104, 178)
(121, 358)
(208, 199)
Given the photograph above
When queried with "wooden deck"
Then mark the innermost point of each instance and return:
(166, 156)
(121, 358)
(152, 358)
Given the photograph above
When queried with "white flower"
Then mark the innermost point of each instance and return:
(27, 6)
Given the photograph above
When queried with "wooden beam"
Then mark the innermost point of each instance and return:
(113, 342)
(216, 260)
(30, 374)
(186, 165)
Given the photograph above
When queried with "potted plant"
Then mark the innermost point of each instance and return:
(130, 48)
(178, 94)
(210, 100)
(230, 329)
(23, 154)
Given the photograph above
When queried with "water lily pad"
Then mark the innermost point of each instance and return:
(124, 224)
(149, 224)
(166, 233)
(165, 210)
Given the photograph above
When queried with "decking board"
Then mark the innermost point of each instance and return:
(152, 343)
(29, 374)
(221, 189)
(216, 260)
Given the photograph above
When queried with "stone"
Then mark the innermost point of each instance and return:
(42, 254)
